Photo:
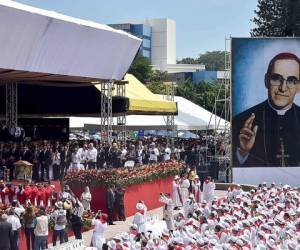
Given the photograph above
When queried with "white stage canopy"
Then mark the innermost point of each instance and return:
(43, 45)
(190, 117)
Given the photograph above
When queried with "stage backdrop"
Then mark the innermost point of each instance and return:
(265, 111)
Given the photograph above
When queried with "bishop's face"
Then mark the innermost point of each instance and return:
(284, 83)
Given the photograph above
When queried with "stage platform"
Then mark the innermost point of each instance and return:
(147, 192)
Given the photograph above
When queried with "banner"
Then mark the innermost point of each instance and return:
(265, 102)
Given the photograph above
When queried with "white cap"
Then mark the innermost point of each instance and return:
(150, 244)
(134, 226)
(140, 206)
(112, 244)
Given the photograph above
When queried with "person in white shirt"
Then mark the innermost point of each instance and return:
(100, 223)
(60, 218)
(83, 155)
(140, 154)
(91, 156)
(167, 154)
(55, 157)
(18, 208)
(41, 230)
(66, 194)
(14, 220)
(154, 153)
(76, 159)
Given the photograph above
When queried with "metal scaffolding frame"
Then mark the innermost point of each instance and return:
(121, 119)
(222, 104)
(106, 119)
(11, 104)
(170, 119)
(224, 161)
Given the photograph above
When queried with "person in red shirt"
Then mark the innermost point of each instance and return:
(48, 194)
(33, 194)
(21, 194)
(41, 196)
(12, 193)
(5, 194)
(27, 193)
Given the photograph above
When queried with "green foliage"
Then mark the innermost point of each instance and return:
(188, 60)
(271, 18)
(158, 76)
(277, 18)
(157, 87)
(204, 94)
(213, 60)
(294, 18)
(156, 82)
(140, 68)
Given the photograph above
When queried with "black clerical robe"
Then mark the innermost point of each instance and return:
(277, 135)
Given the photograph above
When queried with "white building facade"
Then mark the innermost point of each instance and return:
(163, 46)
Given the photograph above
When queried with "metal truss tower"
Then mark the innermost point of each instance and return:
(170, 119)
(121, 119)
(106, 119)
(223, 140)
(12, 104)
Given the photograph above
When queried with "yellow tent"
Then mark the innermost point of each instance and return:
(143, 101)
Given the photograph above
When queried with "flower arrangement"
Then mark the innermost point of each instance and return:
(122, 176)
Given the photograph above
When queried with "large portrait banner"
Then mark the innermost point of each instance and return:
(265, 108)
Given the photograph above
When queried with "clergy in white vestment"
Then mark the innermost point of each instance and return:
(140, 217)
(197, 189)
(100, 223)
(177, 198)
(188, 206)
(209, 187)
(86, 198)
(167, 210)
(185, 184)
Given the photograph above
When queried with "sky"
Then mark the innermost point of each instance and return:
(201, 25)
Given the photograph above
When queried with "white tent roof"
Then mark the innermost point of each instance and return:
(56, 46)
(190, 117)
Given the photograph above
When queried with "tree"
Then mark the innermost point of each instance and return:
(156, 81)
(157, 76)
(204, 94)
(213, 60)
(293, 18)
(157, 87)
(188, 60)
(140, 68)
(277, 18)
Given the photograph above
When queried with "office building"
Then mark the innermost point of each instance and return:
(159, 43)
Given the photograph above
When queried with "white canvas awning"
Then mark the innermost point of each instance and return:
(190, 117)
(43, 45)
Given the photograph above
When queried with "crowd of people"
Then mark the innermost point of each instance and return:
(37, 209)
(51, 159)
(266, 217)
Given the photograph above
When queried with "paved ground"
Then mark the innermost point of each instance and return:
(122, 226)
